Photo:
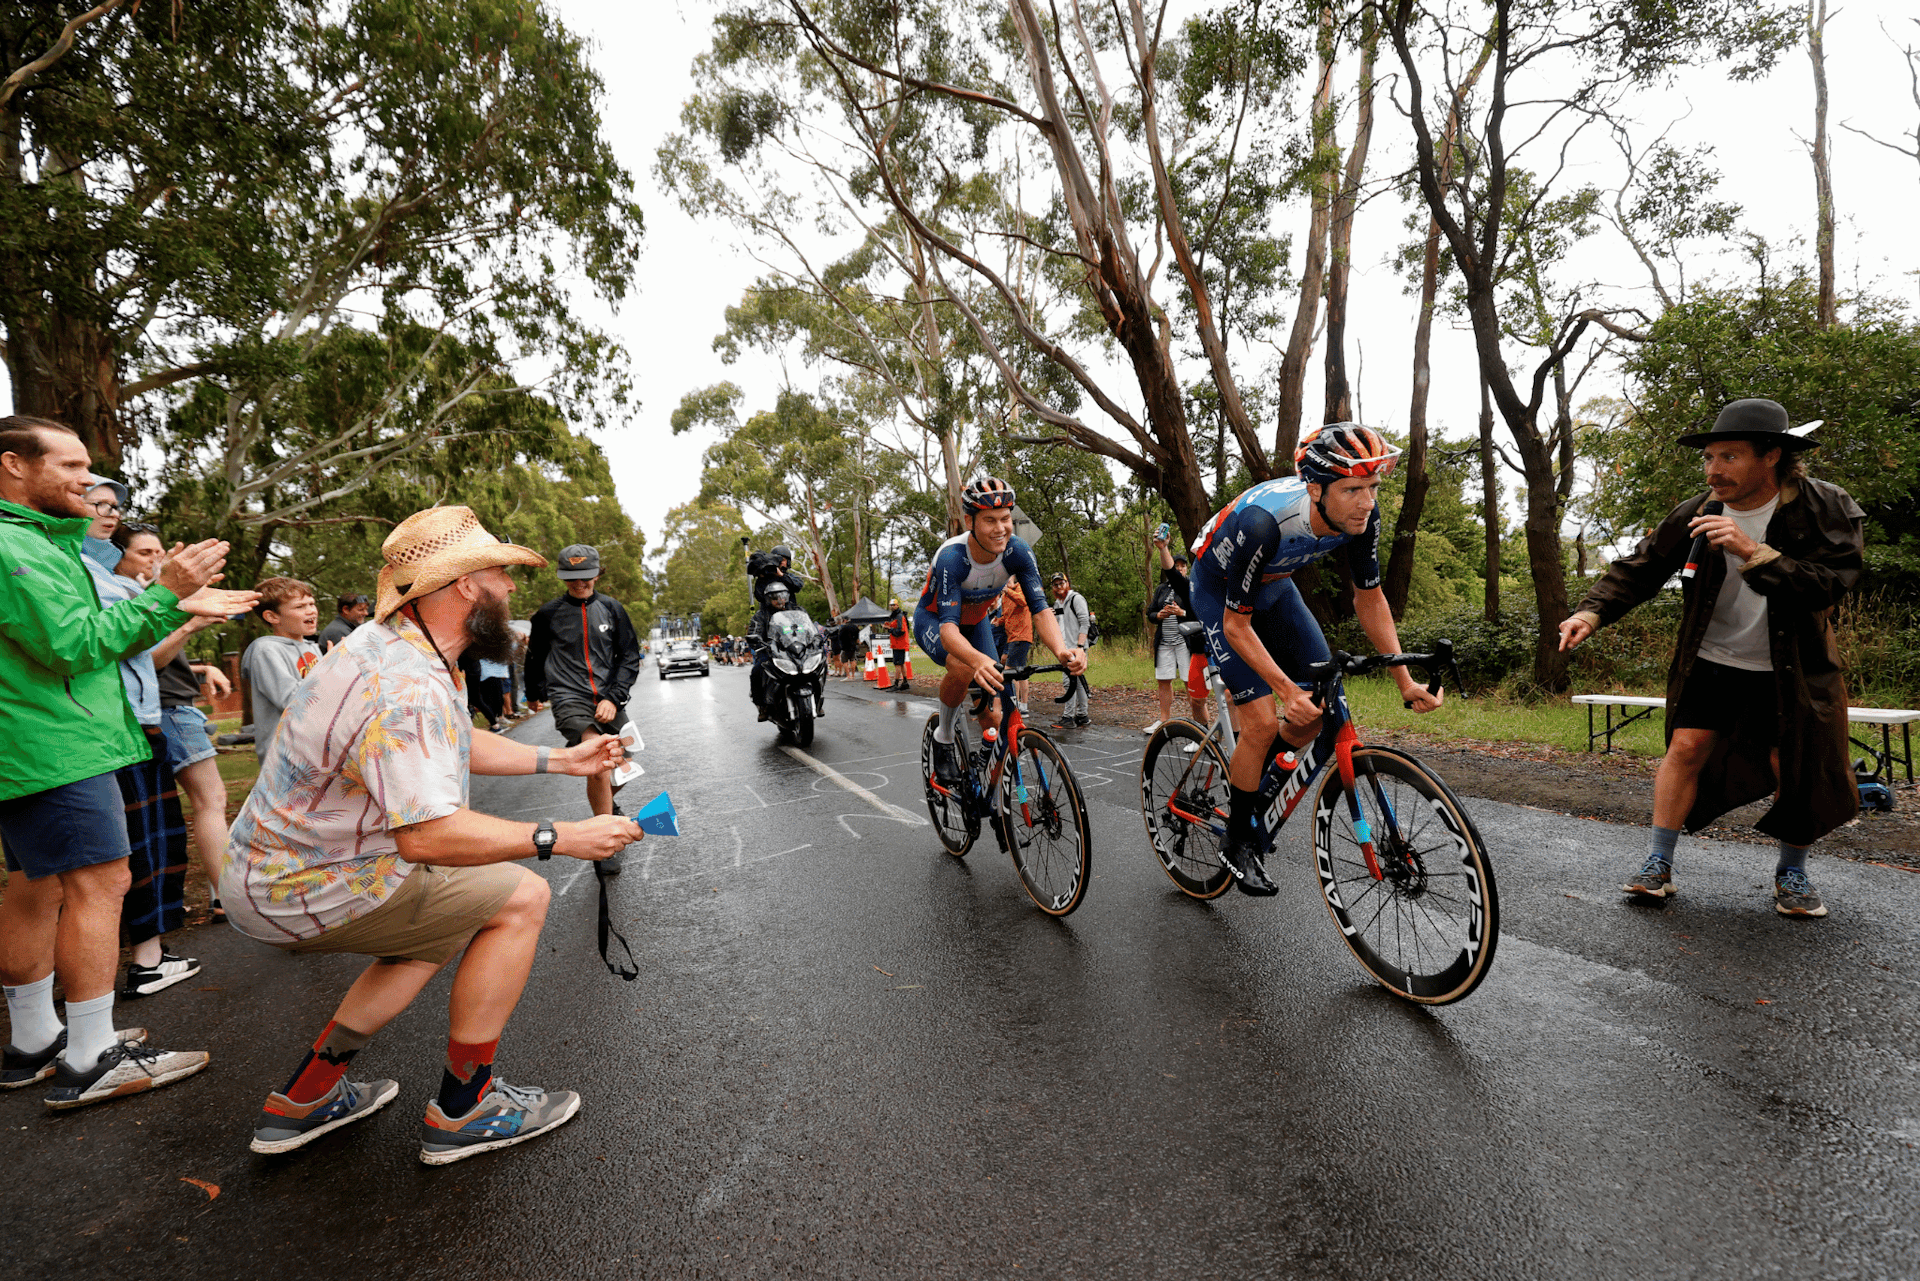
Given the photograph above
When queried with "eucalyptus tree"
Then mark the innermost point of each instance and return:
(1041, 174)
(201, 195)
(1557, 65)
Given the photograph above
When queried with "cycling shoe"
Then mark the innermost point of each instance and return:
(1248, 874)
(946, 764)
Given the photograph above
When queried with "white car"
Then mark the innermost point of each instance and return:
(682, 656)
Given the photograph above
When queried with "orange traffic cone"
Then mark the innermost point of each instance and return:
(871, 674)
(909, 668)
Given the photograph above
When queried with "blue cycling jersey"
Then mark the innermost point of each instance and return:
(1249, 550)
(960, 590)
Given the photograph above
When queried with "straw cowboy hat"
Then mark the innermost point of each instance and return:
(430, 549)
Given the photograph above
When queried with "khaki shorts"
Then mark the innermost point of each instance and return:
(431, 917)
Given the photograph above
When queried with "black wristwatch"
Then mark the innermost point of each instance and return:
(543, 838)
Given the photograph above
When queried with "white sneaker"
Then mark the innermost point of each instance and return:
(1149, 729)
(1190, 747)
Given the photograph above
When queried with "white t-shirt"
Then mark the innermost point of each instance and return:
(1737, 634)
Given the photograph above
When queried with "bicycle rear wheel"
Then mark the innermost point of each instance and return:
(1044, 821)
(949, 812)
(1425, 926)
(1184, 798)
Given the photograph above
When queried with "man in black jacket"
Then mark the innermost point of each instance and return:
(584, 657)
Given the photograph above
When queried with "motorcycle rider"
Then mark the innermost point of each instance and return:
(771, 575)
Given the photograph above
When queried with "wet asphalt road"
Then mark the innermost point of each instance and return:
(851, 1055)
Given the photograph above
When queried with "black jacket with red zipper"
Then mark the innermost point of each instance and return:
(582, 651)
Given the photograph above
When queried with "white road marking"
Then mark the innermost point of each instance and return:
(828, 772)
(578, 872)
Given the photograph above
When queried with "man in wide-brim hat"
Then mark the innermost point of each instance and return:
(358, 838)
(1756, 703)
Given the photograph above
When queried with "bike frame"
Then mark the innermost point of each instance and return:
(1281, 790)
(1006, 745)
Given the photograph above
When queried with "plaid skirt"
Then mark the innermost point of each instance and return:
(156, 903)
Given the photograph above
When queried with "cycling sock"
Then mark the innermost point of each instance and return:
(1243, 813)
(1791, 857)
(30, 1007)
(943, 729)
(325, 1063)
(469, 1070)
(1665, 839)
(89, 1032)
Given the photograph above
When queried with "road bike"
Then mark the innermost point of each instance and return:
(1402, 869)
(1018, 782)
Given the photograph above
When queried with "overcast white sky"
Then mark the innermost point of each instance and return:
(691, 272)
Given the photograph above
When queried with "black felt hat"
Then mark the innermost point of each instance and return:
(1764, 422)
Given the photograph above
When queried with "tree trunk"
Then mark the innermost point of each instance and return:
(1339, 398)
(1549, 574)
(1293, 365)
(1822, 173)
(1406, 529)
(1490, 504)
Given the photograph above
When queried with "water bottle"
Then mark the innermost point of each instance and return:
(1164, 533)
(990, 736)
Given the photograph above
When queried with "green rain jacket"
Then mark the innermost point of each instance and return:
(64, 714)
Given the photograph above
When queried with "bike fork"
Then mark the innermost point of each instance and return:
(1362, 830)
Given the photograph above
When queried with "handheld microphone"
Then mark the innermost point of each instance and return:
(1712, 507)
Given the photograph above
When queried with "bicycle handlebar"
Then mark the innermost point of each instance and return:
(1440, 662)
(981, 697)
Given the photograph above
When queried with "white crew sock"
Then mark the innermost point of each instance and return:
(30, 1006)
(943, 729)
(89, 1031)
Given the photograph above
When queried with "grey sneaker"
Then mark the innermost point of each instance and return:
(1794, 895)
(285, 1125)
(1655, 880)
(18, 1068)
(124, 1069)
(505, 1115)
(1083, 721)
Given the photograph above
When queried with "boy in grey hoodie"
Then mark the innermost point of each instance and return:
(275, 663)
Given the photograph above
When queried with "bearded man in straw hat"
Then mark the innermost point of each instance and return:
(1756, 704)
(357, 838)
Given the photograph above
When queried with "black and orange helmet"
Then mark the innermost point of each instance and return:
(1343, 450)
(985, 492)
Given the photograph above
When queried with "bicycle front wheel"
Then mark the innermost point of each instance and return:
(1044, 821)
(948, 811)
(1184, 799)
(1421, 915)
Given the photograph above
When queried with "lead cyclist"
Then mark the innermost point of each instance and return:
(953, 622)
(1258, 627)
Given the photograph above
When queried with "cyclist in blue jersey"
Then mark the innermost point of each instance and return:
(953, 623)
(1258, 627)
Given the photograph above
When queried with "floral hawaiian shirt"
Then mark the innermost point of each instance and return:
(375, 738)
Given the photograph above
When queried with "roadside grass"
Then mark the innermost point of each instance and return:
(1375, 700)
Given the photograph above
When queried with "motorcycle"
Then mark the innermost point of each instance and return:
(796, 688)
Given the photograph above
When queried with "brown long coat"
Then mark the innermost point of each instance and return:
(1809, 559)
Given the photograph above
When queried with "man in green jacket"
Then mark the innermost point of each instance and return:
(65, 727)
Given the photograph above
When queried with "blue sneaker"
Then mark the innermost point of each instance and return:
(1794, 895)
(1654, 880)
(505, 1115)
(285, 1125)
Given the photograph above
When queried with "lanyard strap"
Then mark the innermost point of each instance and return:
(631, 970)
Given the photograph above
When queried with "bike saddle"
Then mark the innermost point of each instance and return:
(1195, 635)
